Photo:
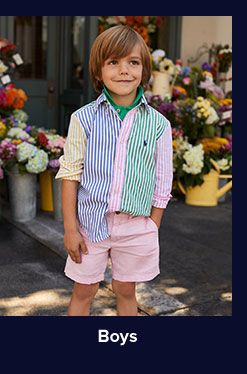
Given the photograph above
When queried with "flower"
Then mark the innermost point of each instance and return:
(25, 151)
(38, 163)
(194, 160)
(52, 144)
(163, 64)
(224, 58)
(158, 55)
(190, 162)
(7, 150)
(3, 129)
(144, 25)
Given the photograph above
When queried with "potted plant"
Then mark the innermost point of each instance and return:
(197, 172)
(164, 73)
(22, 160)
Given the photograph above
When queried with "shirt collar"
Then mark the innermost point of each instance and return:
(102, 98)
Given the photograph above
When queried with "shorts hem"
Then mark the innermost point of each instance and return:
(139, 278)
(81, 280)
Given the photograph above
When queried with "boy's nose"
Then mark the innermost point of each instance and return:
(123, 69)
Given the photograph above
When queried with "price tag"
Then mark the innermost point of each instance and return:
(17, 58)
(5, 79)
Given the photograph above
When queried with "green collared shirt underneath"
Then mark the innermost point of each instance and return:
(123, 110)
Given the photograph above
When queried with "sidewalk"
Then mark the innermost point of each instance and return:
(195, 264)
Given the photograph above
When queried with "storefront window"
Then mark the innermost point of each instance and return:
(30, 35)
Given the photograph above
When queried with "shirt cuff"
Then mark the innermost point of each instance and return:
(69, 170)
(161, 202)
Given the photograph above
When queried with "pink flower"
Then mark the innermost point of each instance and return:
(186, 80)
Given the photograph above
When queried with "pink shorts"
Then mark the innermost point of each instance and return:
(133, 248)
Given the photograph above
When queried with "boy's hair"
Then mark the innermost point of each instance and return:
(117, 42)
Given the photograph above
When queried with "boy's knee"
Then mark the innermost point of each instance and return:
(85, 291)
(123, 289)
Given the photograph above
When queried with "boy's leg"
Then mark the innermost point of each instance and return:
(81, 299)
(126, 298)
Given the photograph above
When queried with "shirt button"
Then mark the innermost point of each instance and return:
(118, 110)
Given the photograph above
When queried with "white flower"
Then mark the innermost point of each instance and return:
(18, 133)
(22, 125)
(158, 55)
(182, 145)
(222, 51)
(20, 115)
(194, 160)
(112, 21)
(213, 116)
(25, 151)
(38, 163)
(223, 164)
(167, 66)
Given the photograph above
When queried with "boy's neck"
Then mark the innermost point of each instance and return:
(121, 100)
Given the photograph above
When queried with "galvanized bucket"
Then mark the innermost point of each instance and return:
(57, 198)
(22, 195)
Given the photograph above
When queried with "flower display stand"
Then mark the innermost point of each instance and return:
(22, 195)
(45, 185)
(161, 84)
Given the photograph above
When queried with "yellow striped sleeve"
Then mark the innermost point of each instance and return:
(71, 163)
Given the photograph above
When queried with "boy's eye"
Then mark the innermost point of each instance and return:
(135, 62)
(112, 62)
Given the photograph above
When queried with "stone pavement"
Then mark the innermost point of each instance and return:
(195, 263)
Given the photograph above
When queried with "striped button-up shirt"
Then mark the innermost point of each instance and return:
(121, 165)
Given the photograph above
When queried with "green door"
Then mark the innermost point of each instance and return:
(37, 40)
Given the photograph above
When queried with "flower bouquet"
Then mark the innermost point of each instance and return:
(11, 98)
(18, 148)
(52, 144)
(190, 163)
(144, 25)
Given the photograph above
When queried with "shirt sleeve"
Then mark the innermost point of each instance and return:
(164, 169)
(71, 162)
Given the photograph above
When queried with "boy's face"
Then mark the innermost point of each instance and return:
(122, 76)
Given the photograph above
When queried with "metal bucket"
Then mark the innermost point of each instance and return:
(57, 198)
(22, 195)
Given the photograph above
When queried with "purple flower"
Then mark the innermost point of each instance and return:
(206, 66)
(54, 164)
(28, 128)
(164, 108)
(7, 150)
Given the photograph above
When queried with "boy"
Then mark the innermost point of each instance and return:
(117, 176)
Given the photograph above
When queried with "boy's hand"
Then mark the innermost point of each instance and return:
(74, 245)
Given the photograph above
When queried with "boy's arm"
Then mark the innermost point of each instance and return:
(69, 205)
(71, 166)
(164, 175)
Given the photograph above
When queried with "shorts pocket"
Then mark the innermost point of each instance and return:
(153, 223)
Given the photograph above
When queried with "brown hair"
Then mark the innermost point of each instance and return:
(117, 42)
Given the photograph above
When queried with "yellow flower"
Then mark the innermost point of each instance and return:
(174, 144)
(3, 128)
(213, 144)
(16, 141)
